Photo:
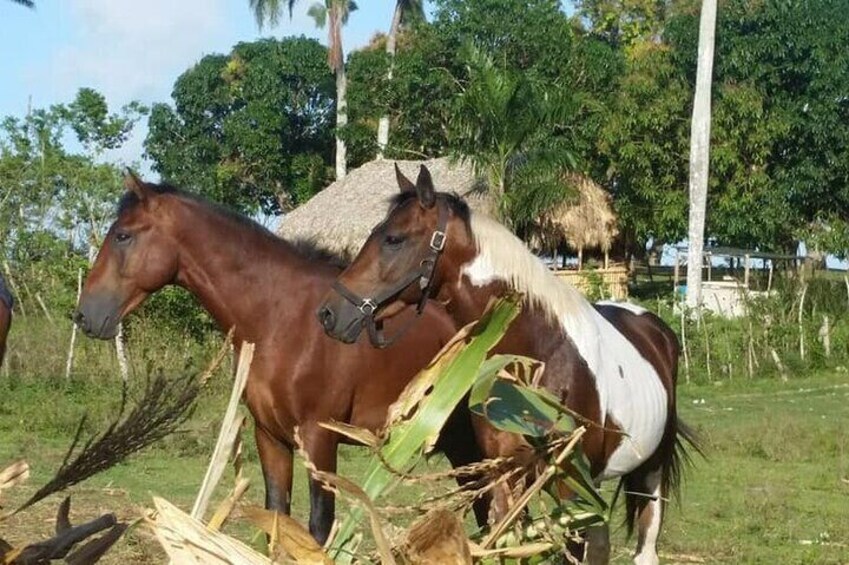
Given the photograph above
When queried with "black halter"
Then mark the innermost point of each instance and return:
(424, 275)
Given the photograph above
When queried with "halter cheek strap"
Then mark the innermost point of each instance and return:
(369, 306)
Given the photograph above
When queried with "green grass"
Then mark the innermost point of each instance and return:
(775, 485)
(774, 489)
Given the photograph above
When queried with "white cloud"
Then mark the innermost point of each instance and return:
(135, 50)
(130, 50)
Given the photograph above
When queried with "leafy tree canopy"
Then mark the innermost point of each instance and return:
(55, 200)
(780, 144)
(252, 129)
(507, 85)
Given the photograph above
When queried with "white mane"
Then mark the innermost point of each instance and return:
(501, 255)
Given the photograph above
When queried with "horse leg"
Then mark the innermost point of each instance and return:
(597, 551)
(493, 444)
(320, 445)
(461, 452)
(647, 504)
(276, 460)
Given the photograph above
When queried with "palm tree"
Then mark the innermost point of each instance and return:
(700, 153)
(333, 14)
(406, 11)
(504, 127)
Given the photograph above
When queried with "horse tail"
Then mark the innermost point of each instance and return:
(674, 456)
(686, 440)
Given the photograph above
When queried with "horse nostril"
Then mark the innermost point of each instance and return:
(326, 317)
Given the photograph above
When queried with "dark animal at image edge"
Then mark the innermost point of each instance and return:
(268, 291)
(7, 303)
(614, 364)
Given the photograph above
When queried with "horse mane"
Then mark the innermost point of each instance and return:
(504, 256)
(511, 260)
(307, 248)
(312, 249)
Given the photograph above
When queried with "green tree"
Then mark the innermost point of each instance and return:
(253, 129)
(641, 150)
(527, 107)
(440, 100)
(97, 129)
(533, 38)
(780, 149)
(624, 22)
(54, 202)
(506, 128)
(332, 14)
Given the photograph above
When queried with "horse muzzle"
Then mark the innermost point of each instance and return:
(98, 317)
(341, 322)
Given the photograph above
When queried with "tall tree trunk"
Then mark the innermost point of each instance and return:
(391, 42)
(700, 152)
(341, 121)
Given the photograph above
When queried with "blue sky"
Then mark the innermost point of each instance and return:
(134, 50)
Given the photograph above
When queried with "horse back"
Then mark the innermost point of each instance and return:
(653, 338)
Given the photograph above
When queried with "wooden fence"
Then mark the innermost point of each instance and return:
(613, 281)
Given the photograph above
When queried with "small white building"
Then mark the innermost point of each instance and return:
(728, 296)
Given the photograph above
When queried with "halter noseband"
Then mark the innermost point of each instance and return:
(369, 306)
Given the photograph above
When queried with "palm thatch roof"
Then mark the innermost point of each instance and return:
(589, 223)
(341, 216)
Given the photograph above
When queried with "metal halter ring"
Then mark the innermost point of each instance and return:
(437, 240)
(368, 307)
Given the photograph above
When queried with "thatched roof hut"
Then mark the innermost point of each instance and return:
(589, 223)
(341, 216)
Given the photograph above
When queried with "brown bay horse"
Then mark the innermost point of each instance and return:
(613, 364)
(268, 291)
(7, 302)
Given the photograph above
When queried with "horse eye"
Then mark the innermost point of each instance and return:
(122, 237)
(393, 240)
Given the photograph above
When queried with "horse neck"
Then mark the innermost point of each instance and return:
(472, 278)
(231, 268)
(466, 303)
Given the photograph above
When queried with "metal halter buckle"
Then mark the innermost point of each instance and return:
(437, 240)
(367, 306)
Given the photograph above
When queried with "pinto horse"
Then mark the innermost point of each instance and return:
(268, 291)
(7, 302)
(615, 365)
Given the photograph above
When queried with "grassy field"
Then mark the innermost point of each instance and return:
(774, 488)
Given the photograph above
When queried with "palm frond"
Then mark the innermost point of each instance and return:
(25, 3)
(268, 11)
(412, 11)
(318, 12)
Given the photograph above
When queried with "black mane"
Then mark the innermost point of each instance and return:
(311, 249)
(129, 199)
(307, 248)
(454, 201)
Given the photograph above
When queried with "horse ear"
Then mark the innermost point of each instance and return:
(133, 183)
(405, 184)
(424, 188)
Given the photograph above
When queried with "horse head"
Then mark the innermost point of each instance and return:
(407, 259)
(134, 261)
